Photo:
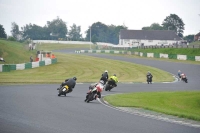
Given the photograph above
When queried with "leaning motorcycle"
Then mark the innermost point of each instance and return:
(185, 80)
(63, 90)
(109, 85)
(94, 93)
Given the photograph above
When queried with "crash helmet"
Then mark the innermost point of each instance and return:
(114, 75)
(106, 71)
(74, 78)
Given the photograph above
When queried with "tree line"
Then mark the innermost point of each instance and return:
(97, 32)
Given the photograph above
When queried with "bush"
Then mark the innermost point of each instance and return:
(10, 38)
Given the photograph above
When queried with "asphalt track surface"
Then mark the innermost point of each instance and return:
(38, 109)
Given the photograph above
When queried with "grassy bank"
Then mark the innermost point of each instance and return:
(86, 69)
(184, 104)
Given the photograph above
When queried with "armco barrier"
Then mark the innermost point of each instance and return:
(1, 67)
(23, 66)
(155, 55)
(35, 64)
(6, 68)
(192, 58)
(28, 65)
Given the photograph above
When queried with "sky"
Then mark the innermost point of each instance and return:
(134, 14)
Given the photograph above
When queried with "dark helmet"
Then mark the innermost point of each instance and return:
(74, 78)
(114, 75)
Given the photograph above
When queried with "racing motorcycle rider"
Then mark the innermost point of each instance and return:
(183, 77)
(149, 77)
(98, 84)
(113, 79)
(104, 77)
(71, 82)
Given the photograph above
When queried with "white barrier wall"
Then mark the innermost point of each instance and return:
(129, 52)
(197, 58)
(116, 52)
(141, 54)
(20, 66)
(89, 51)
(107, 51)
(82, 51)
(163, 55)
(136, 53)
(35, 64)
(47, 61)
(182, 57)
(1, 67)
(98, 51)
(150, 55)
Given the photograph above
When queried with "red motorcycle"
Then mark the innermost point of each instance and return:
(95, 92)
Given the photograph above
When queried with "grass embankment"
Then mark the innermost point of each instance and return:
(86, 69)
(181, 51)
(15, 52)
(184, 104)
(56, 46)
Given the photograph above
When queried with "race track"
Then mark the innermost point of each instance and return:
(38, 109)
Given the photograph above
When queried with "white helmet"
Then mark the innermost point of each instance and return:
(106, 71)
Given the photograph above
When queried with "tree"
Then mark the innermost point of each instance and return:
(104, 33)
(173, 22)
(189, 38)
(15, 31)
(35, 32)
(154, 26)
(75, 33)
(2, 32)
(58, 28)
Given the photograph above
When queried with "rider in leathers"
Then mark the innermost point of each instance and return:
(104, 76)
(71, 82)
(114, 80)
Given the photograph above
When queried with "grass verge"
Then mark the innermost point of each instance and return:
(184, 104)
(86, 69)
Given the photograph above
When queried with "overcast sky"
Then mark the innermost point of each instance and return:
(134, 14)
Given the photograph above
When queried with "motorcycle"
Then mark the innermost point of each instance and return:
(149, 79)
(63, 90)
(109, 85)
(94, 93)
(185, 80)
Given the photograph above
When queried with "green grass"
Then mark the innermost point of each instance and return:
(55, 46)
(15, 52)
(86, 69)
(184, 104)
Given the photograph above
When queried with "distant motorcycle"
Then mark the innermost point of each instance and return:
(94, 93)
(184, 78)
(63, 90)
(149, 79)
